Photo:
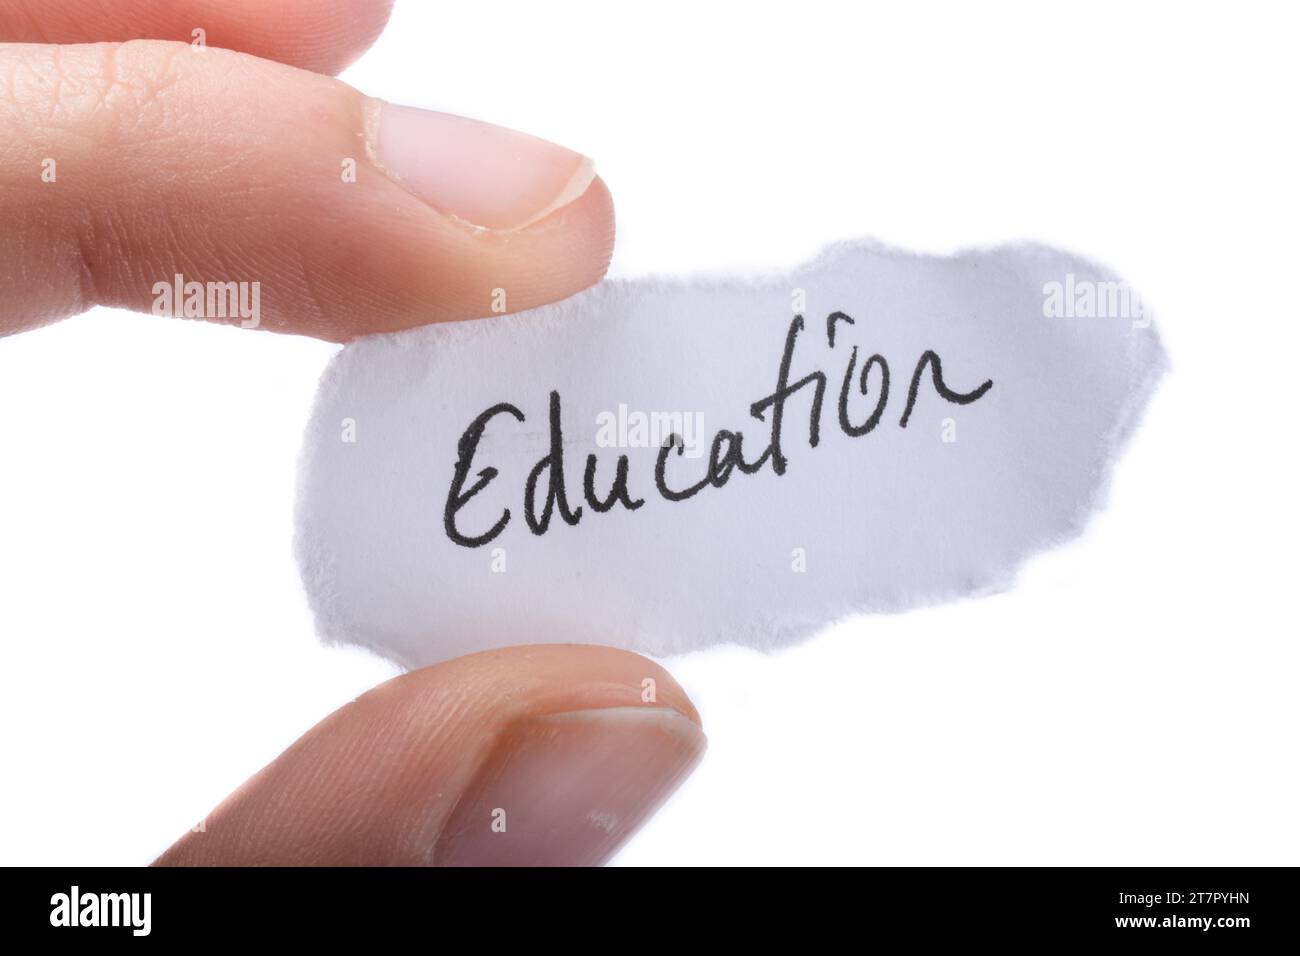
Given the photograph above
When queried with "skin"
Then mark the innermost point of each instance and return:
(175, 162)
(172, 162)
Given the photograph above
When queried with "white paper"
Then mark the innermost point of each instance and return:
(899, 516)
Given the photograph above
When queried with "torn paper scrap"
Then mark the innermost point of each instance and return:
(667, 465)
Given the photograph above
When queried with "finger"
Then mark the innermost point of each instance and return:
(320, 35)
(539, 755)
(130, 169)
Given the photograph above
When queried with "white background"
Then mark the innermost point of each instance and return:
(1133, 699)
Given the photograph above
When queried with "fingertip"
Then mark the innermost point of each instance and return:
(561, 255)
(427, 267)
(334, 33)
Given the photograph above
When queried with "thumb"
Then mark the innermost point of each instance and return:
(535, 755)
(126, 166)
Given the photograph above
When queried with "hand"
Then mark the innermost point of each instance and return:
(124, 165)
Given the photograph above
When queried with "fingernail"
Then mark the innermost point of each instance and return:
(569, 789)
(487, 176)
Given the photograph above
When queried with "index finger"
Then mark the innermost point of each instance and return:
(319, 35)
